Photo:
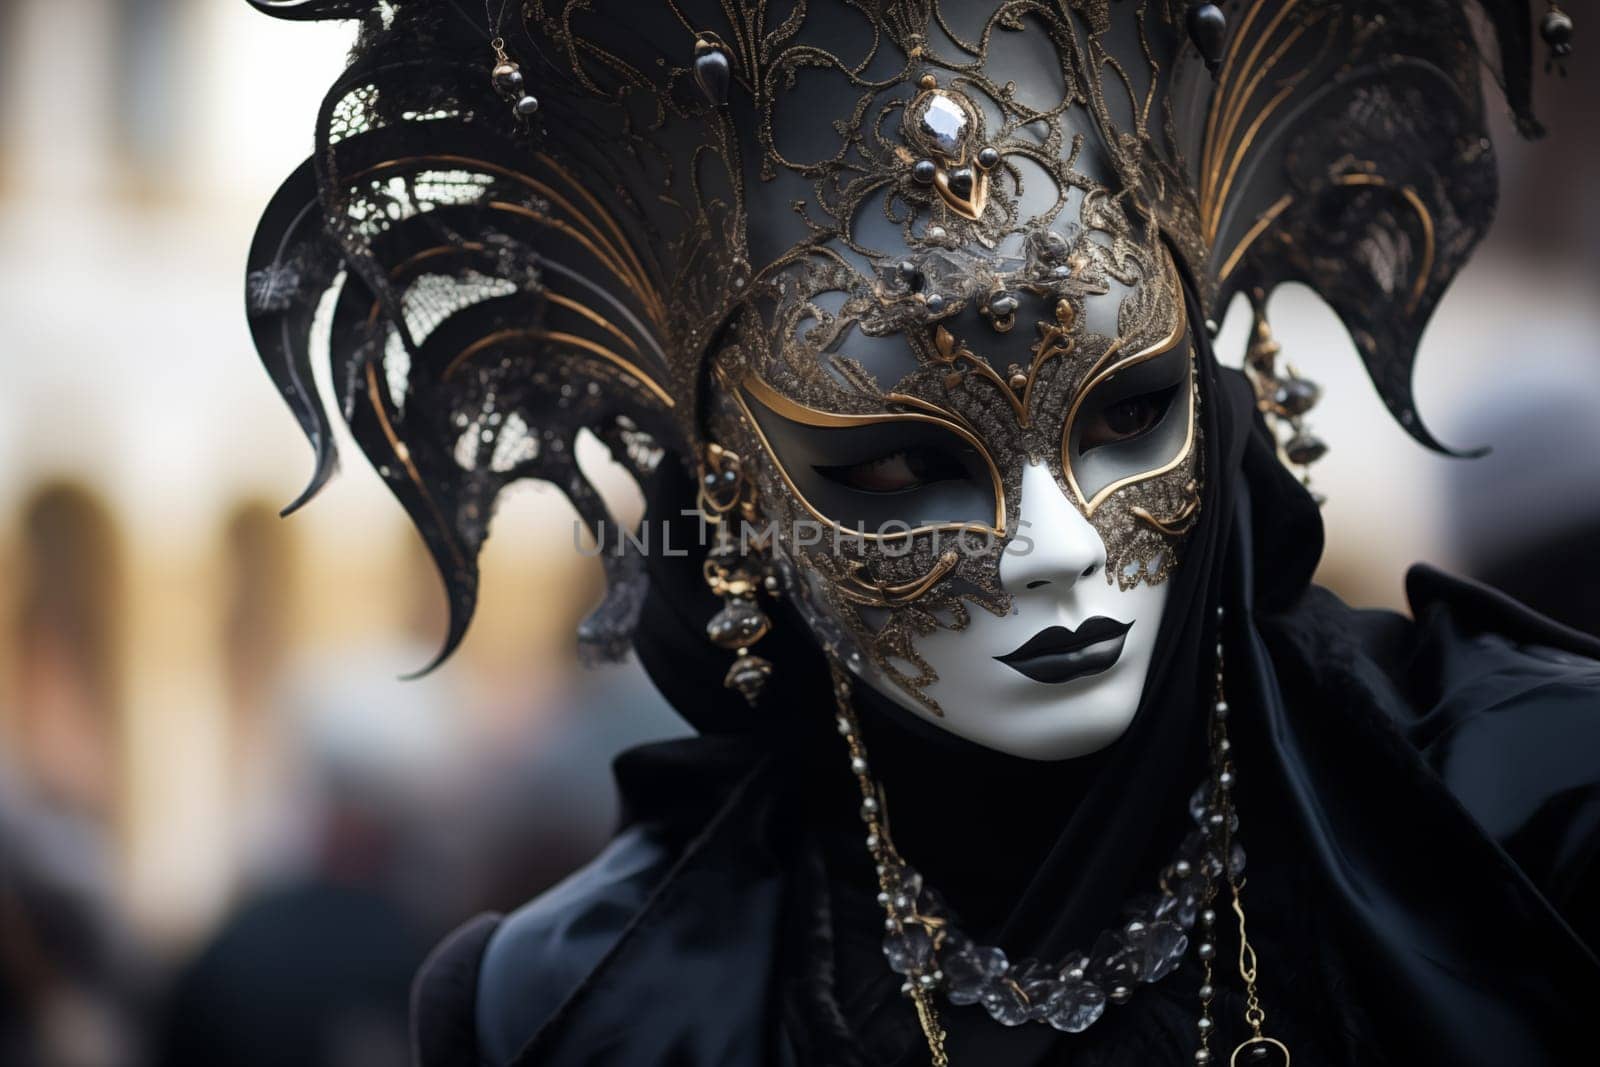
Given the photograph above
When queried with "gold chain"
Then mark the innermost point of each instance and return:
(920, 982)
(1254, 1014)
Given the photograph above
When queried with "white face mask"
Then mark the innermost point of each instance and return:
(1017, 508)
(1061, 675)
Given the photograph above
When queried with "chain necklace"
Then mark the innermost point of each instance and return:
(922, 943)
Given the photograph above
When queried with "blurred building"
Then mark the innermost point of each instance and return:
(139, 140)
(65, 705)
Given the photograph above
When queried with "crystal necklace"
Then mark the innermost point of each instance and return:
(922, 943)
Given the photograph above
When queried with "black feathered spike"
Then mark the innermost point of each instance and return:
(312, 10)
(291, 265)
(1366, 172)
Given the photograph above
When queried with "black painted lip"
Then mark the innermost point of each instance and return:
(1057, 654)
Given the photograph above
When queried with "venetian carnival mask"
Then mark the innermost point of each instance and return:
(973, 440)
(912, 288)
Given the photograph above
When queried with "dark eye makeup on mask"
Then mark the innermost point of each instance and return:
(903, 471)
(900, 471)
(1124, 420)
(885, 473)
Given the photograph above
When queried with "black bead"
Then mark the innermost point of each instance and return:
(935, 303)
(1556, 29)
(1304, 449)
(508, 78)
(924, 171)
(1003, 304)
(1208, 29)
(988, 158)
(713, 72)
(960, 182)
(1296, 396)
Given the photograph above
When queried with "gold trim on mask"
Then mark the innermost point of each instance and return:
(1256, 230)
(1424, 216)
(1179, 522)
(1224, 147)
(557, 337)
(784, 407)
(1166, 344)
(879, 594)
(575, 306)
(1054, 341)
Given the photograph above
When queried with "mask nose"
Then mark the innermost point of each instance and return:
(1055, 547)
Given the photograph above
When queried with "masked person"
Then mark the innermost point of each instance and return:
(901, 315)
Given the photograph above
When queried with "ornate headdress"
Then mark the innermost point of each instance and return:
(546, 219)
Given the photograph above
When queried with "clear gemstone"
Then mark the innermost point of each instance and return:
(992, 960)
(1188, 904)
(944, 122)
(1074, 967)
(1158, 948)
(1038, 984)
(1111, 961)
(969, 969)
(908, 949)
(1006, 1004)
(1075, 1007)
(964, 980)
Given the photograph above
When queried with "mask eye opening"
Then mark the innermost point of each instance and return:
(1126, 419)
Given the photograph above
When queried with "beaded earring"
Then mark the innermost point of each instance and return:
(733, 570)
(507, 73)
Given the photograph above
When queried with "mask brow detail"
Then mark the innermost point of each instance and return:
(1055, 339)
(784, 407)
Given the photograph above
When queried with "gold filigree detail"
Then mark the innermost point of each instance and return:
(1179, 522)
(877, 593)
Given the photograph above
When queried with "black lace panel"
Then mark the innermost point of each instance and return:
(1344, 146)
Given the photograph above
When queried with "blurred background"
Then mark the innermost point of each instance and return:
(213, 783)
